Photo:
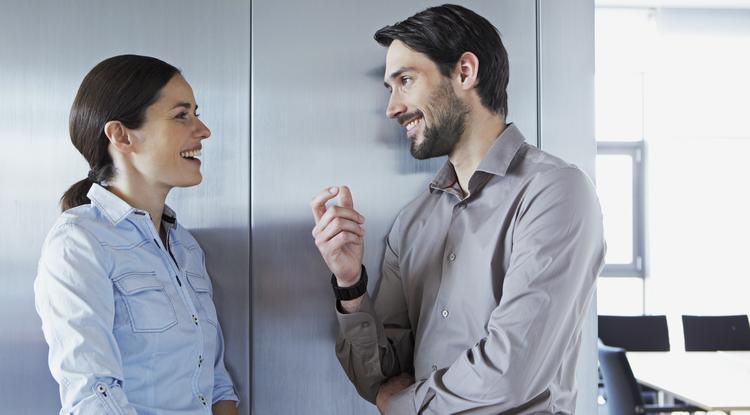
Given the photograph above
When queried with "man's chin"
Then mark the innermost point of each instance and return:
(419, 152)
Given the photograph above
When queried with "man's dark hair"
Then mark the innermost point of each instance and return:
(444, 33)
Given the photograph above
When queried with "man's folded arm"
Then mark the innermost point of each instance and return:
(377, 342)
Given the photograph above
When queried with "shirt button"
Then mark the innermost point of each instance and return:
(444, 313)
(200, 360)
(195, 319)
(434, 368)
(203, 399)
(451, 257)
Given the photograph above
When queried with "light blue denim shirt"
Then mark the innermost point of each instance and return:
(131, 329)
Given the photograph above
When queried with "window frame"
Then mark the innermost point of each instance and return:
(636, 150)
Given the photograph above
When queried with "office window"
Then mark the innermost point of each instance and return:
(673, 143)
(622, 41)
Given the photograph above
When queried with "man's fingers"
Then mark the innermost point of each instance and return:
(343, 238)
(345, 197)
(337, 212)
(318, 204)
(337, 226)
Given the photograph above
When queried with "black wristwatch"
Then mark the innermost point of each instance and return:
(350, 293)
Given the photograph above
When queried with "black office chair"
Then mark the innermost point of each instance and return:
(712, 333)
(635, 333)
(623, 392)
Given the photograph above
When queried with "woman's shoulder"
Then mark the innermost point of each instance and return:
(84, 216)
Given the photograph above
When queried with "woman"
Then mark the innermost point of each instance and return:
(122, 289)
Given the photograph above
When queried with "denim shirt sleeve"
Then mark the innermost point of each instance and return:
(223, 386)
(75, 300)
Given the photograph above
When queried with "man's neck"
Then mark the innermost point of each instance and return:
(482, 128)
(136, 192)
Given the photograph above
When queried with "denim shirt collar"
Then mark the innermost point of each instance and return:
(116, 209)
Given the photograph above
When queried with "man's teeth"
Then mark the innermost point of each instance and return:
(413, 124)
(192, 153)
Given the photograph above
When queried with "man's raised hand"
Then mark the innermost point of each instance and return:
(338, 234)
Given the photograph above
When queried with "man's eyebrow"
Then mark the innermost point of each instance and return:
(398, 72)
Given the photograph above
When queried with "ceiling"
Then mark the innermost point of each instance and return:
(691, 4)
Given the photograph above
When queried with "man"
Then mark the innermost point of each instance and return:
(487, 275)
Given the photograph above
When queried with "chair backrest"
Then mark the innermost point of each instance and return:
(622, 391)
(710, 333)
(635, 333)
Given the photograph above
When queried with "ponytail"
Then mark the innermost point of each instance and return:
(76, 195)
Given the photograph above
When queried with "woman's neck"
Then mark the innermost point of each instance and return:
(143, 196)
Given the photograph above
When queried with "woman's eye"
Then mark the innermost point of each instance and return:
(406, 80)
(183, 115)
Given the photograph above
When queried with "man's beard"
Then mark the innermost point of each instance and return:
(449, 117)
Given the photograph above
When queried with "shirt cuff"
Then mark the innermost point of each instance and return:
(225, 394)
(359, 327)
(402, 403)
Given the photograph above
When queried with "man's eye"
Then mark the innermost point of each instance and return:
(406, 80)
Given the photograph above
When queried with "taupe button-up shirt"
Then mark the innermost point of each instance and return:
(483, 298)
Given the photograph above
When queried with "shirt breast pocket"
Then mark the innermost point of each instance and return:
(148, 305)
(202, 287)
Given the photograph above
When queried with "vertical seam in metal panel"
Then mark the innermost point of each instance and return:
(538, 29)
(250, 347)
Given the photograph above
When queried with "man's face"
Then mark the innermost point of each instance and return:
(423, 101)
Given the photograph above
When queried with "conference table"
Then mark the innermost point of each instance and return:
(714, 381)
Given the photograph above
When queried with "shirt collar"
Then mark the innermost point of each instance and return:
(497, 160)
(503, 150)
(116, 209)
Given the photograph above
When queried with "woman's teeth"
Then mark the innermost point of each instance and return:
(192, 153)
(413, 124)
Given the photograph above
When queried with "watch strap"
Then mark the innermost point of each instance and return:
(350, 293)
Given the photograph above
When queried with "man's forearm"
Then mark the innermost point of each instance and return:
(225, 408)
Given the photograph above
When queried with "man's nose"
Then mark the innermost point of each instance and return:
(395, 107)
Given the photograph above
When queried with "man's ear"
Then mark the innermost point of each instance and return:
(118, 136)
(468, 68)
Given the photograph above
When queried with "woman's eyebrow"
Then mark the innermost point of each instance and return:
(186, 105)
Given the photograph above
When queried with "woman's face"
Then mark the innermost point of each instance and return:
(170, 138)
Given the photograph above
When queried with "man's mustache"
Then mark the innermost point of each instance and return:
(406, 117)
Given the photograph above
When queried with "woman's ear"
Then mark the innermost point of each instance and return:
(118, 136)
(468, 68)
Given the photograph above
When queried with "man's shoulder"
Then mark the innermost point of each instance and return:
(534, 161)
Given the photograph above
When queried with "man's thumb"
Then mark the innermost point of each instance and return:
(345, 197)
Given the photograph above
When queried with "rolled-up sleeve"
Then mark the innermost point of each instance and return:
(377, 342)
(75, 300)
(558, 250)
(223, 386)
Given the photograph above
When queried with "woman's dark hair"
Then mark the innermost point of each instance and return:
(120, 88)
(444, 33)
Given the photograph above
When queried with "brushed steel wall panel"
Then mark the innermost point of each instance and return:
(567, 130)
(319, 119)
(46, 47)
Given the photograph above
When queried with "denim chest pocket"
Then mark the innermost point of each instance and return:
(147, 303)
(202, 287)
